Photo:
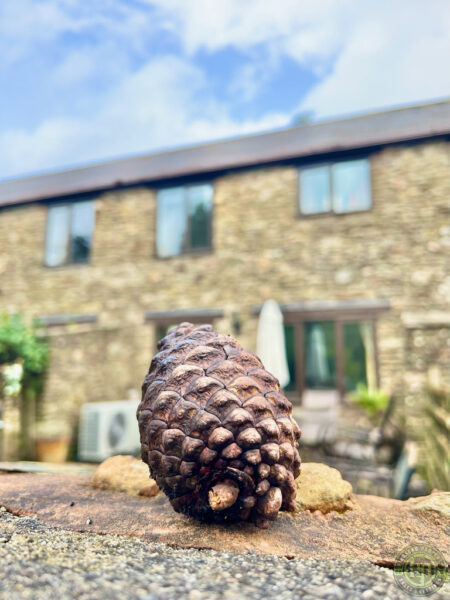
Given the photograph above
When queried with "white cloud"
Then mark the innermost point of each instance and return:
(309, 31)
(28, 25)
(166, 103)
(253, 76)
(213, 25)
(397, 54)
(366, 55)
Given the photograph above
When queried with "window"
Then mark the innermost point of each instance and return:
(341, 187)
(359, 355)
(163, 330)
(330, 353)
(289, 341)
(69, 233)
(183, 221)
(163, 327)
(164, 321)
(315, 190)
(319, 352)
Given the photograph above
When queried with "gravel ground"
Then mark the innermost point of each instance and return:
(41, 562)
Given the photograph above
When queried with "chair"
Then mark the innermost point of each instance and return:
(362, 443)
(404, 470)
(317, 416)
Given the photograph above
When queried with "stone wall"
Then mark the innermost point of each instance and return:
(399, 250)
(427, 388)
(434, 437)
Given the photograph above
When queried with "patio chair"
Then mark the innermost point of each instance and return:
(317, 416)
(364, 443)
(380, 480)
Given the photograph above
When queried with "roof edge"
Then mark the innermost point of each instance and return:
(395, 125)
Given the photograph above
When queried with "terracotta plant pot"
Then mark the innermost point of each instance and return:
(52, 450)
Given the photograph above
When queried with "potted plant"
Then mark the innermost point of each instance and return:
(372, 401)
(52, 441)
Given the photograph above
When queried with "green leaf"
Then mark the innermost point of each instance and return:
(21, 343)
(371, 400)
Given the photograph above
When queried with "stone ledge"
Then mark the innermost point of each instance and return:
(426, 320)
(65, 319)
(376, 530)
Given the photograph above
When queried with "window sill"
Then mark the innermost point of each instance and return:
(70, 265)
(187, 254)
(65, 319)
(302, 216)
(198, 315)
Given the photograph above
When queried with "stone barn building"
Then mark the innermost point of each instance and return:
(345, 223)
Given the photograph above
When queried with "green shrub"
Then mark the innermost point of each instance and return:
(371, 400)
(19, 343)
(23, 360)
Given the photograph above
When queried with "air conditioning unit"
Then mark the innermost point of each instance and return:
(108, 428)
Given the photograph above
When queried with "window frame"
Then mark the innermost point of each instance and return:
(68, 262)
(186, 251)
(196, 316)
(339, 317)
(329, 164)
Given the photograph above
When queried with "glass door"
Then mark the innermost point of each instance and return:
(335, 355)
(320, 355)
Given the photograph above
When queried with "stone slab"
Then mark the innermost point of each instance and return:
(376, 530)
(29, 466)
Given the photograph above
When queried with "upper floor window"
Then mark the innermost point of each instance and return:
(340, 188)
(183, 222)
(69, 233)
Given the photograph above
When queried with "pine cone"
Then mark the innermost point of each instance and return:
(216, 431)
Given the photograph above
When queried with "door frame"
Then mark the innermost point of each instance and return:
(339, 317)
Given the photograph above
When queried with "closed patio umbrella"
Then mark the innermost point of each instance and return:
(270, 345)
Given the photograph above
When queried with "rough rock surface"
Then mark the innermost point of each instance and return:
(322, 488)
(124, 473)
(437, 502)
(38, 562)
(377, 530)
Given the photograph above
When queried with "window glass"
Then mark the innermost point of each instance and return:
(359, 355)
(161, 331)
(184, 219)
(320, 360)
(69, 233)
(56, 245)
(171, 222)
(315, 195)
(289, 341)
(82, 226)
(200, 207)
(351, 186)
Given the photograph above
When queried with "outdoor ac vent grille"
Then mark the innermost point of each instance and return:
(91, 437)
(108, 428)
(117, 430)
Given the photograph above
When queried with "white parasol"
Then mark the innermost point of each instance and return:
(270, 345)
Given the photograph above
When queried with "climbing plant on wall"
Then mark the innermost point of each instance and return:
(23, 361)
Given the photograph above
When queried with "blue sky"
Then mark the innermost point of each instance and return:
(84, 81)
